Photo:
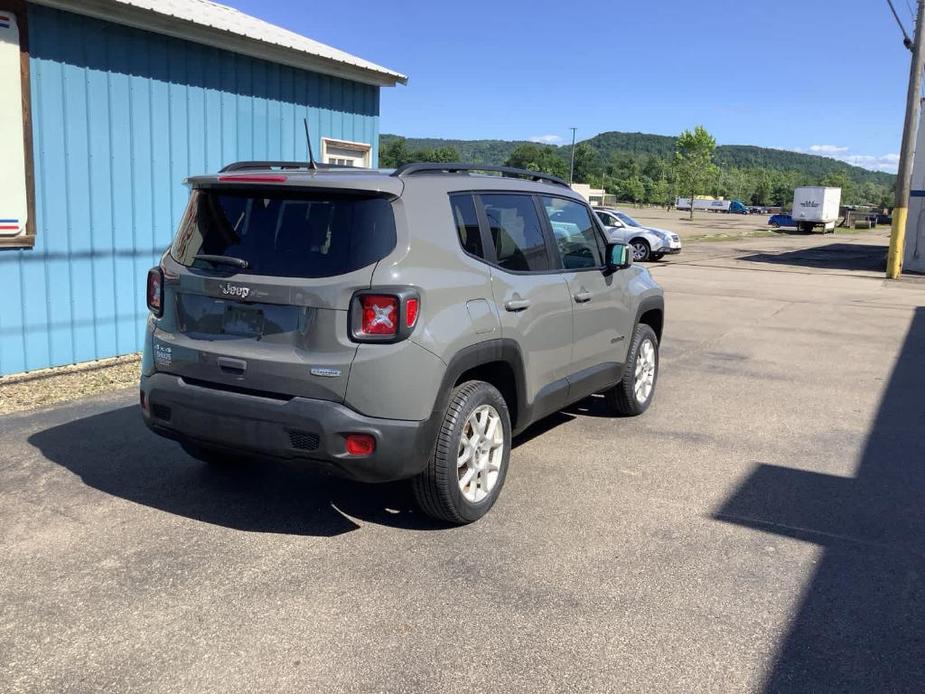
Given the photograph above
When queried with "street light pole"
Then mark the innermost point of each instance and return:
(894, 263)
(571, 169)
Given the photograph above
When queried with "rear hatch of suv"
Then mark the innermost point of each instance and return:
(258, 282)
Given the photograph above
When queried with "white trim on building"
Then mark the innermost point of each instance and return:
(14, 201)
(346, 153)
(212, 24)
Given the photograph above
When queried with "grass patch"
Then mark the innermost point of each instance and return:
(36, 389)
(766, 233)
(731, 236)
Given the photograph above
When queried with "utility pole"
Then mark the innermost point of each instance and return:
(571, 168)
(894, 263)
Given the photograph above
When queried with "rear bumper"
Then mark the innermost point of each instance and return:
(669, 246)
(297, 428)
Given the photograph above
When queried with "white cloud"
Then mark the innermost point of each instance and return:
(885, 162)
(546, 139)
(827, 149)
(882, 162)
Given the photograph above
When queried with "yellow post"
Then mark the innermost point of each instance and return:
(894, 262)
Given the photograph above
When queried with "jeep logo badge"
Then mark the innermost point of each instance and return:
(232, 290)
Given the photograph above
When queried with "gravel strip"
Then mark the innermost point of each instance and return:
(37, 389)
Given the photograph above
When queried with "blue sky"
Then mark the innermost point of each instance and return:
(823, 76)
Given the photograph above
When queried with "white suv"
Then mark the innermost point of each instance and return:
(649, 243)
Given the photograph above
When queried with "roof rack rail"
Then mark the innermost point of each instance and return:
(431, 167)
(255, 165)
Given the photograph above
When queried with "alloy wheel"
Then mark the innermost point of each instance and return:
(645, 371)
(640, 252)
(480, 453)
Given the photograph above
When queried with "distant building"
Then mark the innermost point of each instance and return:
(594, 196)
(123, 100)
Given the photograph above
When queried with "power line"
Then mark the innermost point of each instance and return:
(911, 11)
(907, 42)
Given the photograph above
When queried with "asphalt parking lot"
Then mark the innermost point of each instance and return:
(761, 528)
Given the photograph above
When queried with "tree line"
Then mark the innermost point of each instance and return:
(658, 176)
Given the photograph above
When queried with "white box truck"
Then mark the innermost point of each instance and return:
(816, 206)
(727, 206)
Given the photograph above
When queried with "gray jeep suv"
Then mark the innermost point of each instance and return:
(391, 324)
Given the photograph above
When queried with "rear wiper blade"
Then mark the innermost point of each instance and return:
(222, 260)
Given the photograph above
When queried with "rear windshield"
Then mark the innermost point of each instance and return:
(285, 234)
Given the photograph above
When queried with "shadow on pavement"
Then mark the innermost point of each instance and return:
(115, 453)
(541, 427)
(861, 624)
(592, 406)
(833, 256)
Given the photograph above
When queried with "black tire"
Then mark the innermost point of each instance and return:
(775, 225)
(621, 399)
(657, 256)
(641, 250)
(437, 489)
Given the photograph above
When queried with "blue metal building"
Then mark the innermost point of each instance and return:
(127, 99)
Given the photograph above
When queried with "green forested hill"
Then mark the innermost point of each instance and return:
(476, 151)
(644, 145)
(749, 157)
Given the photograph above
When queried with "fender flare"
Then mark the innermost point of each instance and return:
(647, 303)
(503, 350)
(650, 303)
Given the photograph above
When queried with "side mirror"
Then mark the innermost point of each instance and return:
(619, 256)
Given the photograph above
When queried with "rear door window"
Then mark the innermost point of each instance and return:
(467, 224)
(580, 246)
(515, 231)
(286, 234)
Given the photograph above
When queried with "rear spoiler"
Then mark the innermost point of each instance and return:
(292, 176)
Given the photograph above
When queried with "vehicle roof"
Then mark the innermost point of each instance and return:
(375, 180)
(347, 179)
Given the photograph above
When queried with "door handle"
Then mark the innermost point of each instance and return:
(516, 304)
(582, 297)
(236, 367)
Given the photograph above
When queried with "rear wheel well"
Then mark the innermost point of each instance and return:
(501, 376)
(655, 319)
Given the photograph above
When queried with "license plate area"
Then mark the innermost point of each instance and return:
(242, 321)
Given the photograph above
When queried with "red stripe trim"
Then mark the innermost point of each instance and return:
(258, 178)
(9, 227)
